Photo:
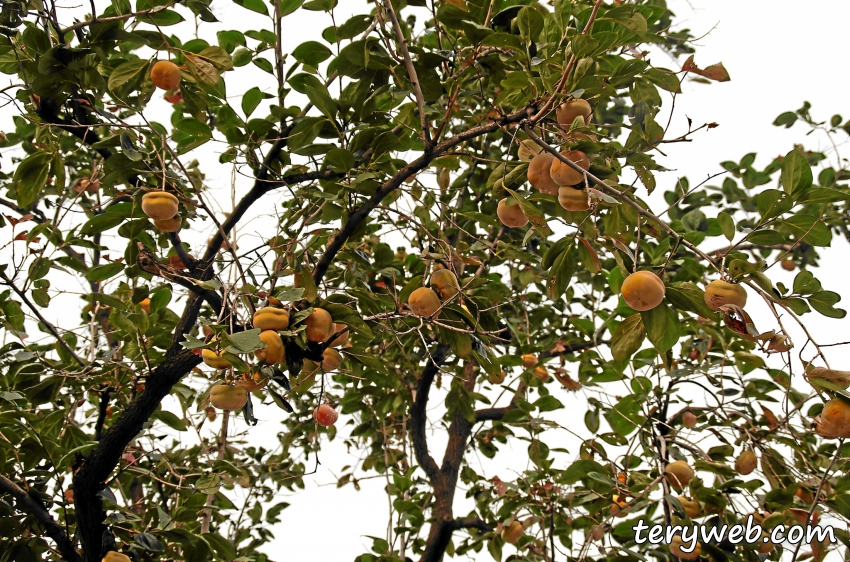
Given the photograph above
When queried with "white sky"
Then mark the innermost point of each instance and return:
(777, 55)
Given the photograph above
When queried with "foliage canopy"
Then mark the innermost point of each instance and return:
(377, 154)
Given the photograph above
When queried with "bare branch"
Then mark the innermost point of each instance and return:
(411, 73)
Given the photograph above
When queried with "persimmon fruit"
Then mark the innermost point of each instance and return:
(113, 556)
(835, 418)
(319, 325)
(676, 549)
(146, 305)
(159, 205)
(169, 225)
(678, 474)
(325, 415)
(273, 352)
(746, 463)
(539, 173)
(423, 301)
(573, 199)
(643, 290)
(331, 359)
(511, 215)
(692, 508)
(446, 283)
(689, 420)
(513, 532)
(271, 318)
(529, 360)
(214, 360)
(719, 293)
(165, 75)
(563, 174)
(226, 397)
(340, 339)
(568, 111)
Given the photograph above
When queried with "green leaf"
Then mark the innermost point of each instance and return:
(662, 326)
(254, 5)
(627, 338)
(242, 342)
(251, 100)
(414, 283)
(687, 296)
(318, 94)
(796, 173)
(31, 176)
(311, 53)
(105, 271)
(162, 18)
(127, 75)
(171, 420)
(727, 225)
(824, 301)
(809, 228)
(561, 273)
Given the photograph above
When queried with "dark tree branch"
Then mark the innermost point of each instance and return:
(418, 418)
(358, 216)
(190, 262)
(96, 468)
(148, 262)
(101, 412)
(470, 523)
(31, 506)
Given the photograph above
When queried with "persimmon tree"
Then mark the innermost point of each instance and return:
(446, 222)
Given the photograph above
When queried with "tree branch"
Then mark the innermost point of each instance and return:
(411, 73)
(148, 262)
(418, 418)
(96, 468)
(621, 195)
(470, 523)
(31, 506)
(359, 215)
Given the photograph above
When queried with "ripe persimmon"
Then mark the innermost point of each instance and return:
(678, 474)
(271, 318)
(273, 352)
(643, 290)
(719, 293)
(325, 415)
(423, 301)
(511, 215)
(319, 325)
(539, 173)
(676, 549)
(169, 225)
(568, 111)
(159, 205)
(513, 532)
(446, 283)
(226, 397)
(165, 75)
(573, 199)
(835, 418)
(746, 463)
(563, 174)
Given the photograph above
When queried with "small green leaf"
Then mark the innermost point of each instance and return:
(796, 173)
(727, 225)
(251, 100)
(31, 176)
(627, 338)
